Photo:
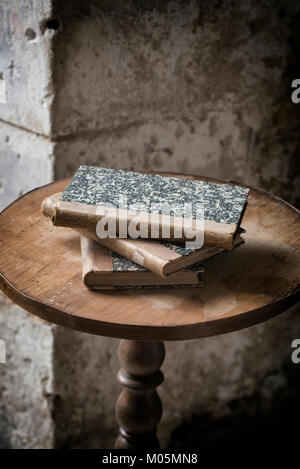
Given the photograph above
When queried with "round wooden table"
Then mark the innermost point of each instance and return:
(40, 270)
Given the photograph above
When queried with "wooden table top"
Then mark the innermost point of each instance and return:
(40, 270)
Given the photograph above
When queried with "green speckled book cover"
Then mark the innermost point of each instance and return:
(98, 193)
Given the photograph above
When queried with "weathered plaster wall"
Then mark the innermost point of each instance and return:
(196, 87)
(201, 376)
(26, 380)
(26, 162)
(26, 64)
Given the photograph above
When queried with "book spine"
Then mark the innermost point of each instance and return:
(81, 216)
(92, 257)
(127, 248)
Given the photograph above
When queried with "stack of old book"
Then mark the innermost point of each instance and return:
(145, 230)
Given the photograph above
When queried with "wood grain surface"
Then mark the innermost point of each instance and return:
(40, 270)
(139, 408)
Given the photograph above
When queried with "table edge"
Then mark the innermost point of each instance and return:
(196, 330)
(219, 326)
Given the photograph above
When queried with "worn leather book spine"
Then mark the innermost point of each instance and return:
(83, 216)
(160, 257)
(101, 268)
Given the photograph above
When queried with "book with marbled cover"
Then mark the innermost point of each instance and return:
(104, 269)
(94, 191)
(159, 256)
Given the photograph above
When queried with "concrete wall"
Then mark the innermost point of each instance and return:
(25, 64)
(26, 380)
(201, 377)
(196, 87)
(26, 161)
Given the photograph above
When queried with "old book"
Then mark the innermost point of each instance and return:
(155, 205)
(159, 256)
(104, 269)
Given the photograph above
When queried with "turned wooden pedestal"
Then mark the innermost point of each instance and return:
(40, 270)
(139, 408)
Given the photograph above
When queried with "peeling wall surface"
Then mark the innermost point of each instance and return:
(26, 161)
(25, 64)
(201, 377)
(186, 86)
(26, 380)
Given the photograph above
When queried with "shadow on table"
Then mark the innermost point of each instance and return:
(260, 269)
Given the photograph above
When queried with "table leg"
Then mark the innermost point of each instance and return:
(139, 407)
